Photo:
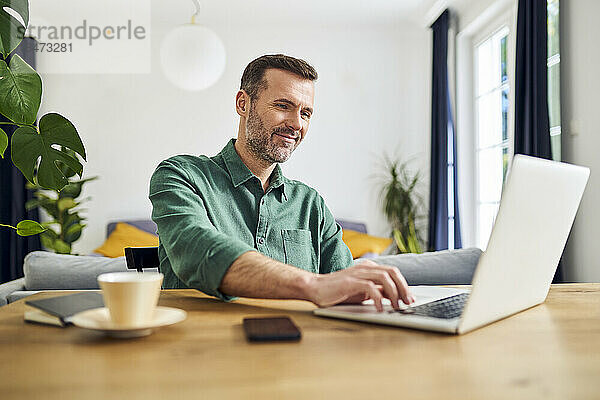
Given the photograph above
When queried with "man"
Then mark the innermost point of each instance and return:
(233, 225)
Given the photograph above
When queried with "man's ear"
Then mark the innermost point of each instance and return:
(242, 103)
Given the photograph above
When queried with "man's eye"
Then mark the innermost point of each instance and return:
(282, 106)
(306, 115)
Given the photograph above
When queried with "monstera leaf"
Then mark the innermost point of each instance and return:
(21, 89)
(11, 29)
(3, 142)
(27, 146)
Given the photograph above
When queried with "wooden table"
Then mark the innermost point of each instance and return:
(551, 351)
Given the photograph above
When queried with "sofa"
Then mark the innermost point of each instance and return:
(49, 271)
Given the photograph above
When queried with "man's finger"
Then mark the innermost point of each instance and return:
(384, 279)
(402, 285)
(396, 276)
(366, 261)
(371, 290)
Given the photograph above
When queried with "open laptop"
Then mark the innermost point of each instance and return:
(538, 207)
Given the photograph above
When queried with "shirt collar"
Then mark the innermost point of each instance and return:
(239, 172)
(278, 180)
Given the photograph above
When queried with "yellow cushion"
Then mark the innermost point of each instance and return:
(361, 243)
(126, 235)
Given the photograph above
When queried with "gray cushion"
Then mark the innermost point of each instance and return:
(147, 225)
(355, 226)
(9, 287)
(448, 267)
(44, 270)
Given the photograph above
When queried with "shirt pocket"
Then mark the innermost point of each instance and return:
(298, 249)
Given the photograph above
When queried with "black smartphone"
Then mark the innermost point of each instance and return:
(271, 329)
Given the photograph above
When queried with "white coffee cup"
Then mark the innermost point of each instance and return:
(131, 297)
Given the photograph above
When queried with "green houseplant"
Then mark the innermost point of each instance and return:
(66, 223)
(402, 205)
(33, 143)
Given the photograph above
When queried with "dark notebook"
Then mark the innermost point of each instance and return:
(57, 310)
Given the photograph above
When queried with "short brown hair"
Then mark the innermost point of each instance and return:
(253, 81)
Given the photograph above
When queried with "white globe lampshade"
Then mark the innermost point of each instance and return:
(192, 57)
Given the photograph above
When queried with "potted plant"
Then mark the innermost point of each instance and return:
(32, 143)
(66, 224)
(402, 205)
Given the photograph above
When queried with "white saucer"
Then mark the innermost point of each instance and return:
(98, 319)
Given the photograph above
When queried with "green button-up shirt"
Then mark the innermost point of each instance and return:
(209, 211)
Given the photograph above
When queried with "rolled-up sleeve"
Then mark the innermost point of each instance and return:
(335, 255)
(199, 254)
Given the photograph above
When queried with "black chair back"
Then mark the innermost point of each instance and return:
(139, 258)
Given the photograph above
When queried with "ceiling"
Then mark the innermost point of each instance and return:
(285, 12)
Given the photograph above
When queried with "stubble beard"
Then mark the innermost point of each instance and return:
(260, 141)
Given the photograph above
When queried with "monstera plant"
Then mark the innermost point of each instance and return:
(33, 146)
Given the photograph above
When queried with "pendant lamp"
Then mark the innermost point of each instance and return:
(192, 56)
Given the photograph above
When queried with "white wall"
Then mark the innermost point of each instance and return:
(580, 88)
(466, 10)
(372, 96)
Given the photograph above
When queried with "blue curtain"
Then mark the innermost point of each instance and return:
(532, 126)
(442, 128)
(13, 197)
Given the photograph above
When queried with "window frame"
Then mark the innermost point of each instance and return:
(501, 25)
(501, 15)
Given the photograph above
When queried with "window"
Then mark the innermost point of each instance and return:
(491, 129)
(554, 79)
(485, 121)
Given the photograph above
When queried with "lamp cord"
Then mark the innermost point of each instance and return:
(197, 5)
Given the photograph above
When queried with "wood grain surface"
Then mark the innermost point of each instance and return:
(551, 351)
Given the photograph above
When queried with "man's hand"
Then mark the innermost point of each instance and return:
(256, 275)
(363, 281)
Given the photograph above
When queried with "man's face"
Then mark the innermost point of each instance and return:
(279, 117)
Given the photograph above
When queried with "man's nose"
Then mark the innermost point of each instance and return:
(294, 121)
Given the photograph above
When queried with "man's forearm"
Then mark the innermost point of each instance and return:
(255, 275)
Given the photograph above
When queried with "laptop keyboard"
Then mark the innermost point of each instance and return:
(449, 307)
